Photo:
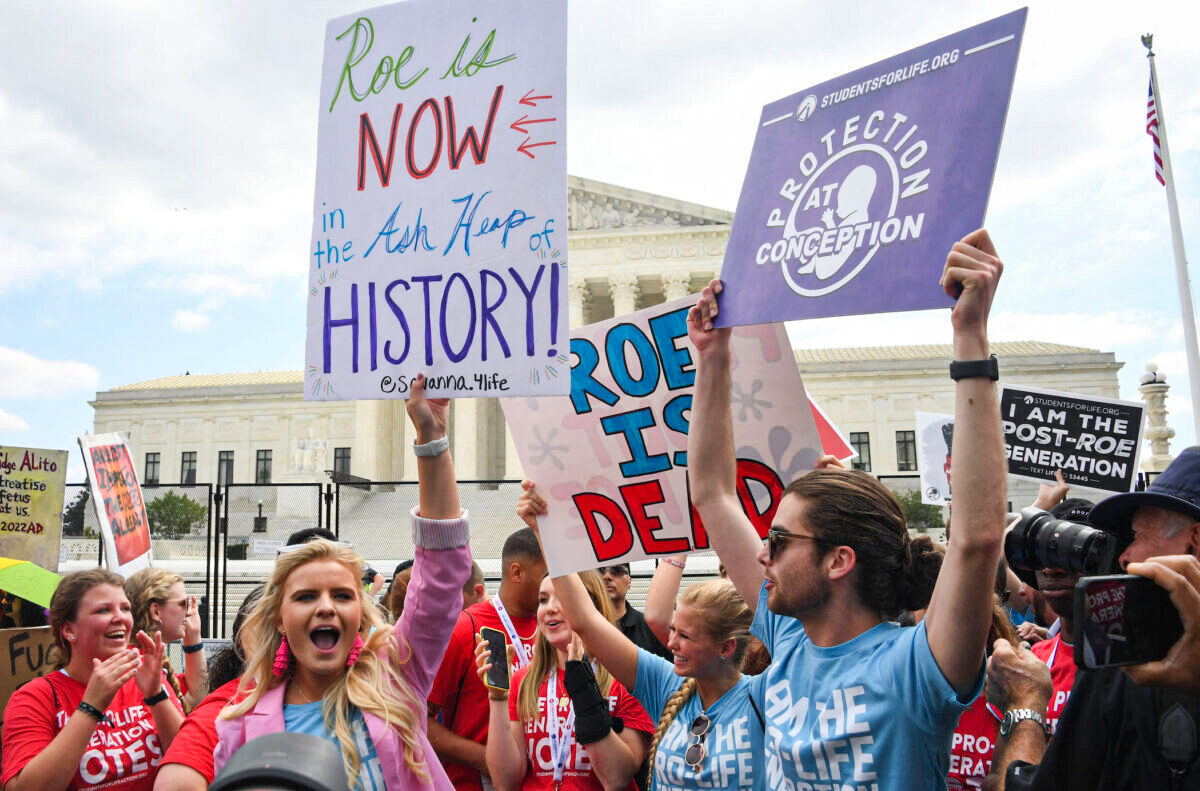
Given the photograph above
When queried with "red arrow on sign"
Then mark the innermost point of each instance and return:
(531, 101)
(518, 125)
(525, 146)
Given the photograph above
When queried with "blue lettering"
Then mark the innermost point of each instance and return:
(630, 425)
(583, 380)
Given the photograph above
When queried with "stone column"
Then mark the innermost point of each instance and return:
(676, 285)
(465, 426)
(1154, 392)
(512, 463)
(578, 298)
(624, 293)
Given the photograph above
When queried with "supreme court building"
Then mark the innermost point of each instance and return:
(627, 250)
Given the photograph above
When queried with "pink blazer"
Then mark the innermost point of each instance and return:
(441, 566)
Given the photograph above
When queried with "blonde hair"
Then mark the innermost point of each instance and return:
(725, 617)
(545, 657)
(142, 588)
(373, 684)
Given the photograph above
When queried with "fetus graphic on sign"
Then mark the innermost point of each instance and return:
(853, 208)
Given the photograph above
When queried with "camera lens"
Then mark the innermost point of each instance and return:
(1040, 541)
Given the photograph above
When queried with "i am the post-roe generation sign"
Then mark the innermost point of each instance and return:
(439, 222)
(858, 187)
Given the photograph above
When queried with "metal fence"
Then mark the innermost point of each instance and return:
(222, 539)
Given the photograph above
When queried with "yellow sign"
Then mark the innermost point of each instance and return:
(32, 482)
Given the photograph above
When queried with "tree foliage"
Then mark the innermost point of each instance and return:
(175, 516)
(73, 514)
(918, 515)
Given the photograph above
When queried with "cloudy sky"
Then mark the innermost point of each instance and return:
(157, 167)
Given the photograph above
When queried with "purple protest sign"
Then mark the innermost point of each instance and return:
(858, 187)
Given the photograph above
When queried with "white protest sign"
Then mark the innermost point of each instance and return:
(611, 459)
(439, 221)
(1095, 441)
(935, 439)
(117, 497)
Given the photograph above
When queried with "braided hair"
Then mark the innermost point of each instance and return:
(725, 617)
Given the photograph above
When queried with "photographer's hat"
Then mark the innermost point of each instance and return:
(1177, 488)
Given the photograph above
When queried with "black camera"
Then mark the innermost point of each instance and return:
(1039, 541)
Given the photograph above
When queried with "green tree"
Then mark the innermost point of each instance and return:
(74, 512)
(175, 516)
(918, 515)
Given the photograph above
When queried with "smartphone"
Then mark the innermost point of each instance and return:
(497, 674)
(1123, 619)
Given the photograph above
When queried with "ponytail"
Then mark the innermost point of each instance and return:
(922, 562)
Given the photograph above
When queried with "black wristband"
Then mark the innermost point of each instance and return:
(592, 718)
(154, 700)
(93, 712)
(191, 649)
(975, 369)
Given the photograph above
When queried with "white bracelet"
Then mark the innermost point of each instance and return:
(433, 447)
(673, 562)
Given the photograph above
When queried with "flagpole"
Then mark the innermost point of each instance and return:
(1181, 269)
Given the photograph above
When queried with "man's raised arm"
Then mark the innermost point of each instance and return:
(961, 608)
(712, 463)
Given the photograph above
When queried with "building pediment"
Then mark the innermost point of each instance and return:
(596, 206)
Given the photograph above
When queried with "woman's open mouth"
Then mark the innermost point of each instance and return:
(325, 638)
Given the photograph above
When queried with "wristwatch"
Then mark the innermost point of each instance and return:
(1013, 716)
(971, 369)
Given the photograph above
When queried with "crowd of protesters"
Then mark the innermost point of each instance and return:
(841, 653)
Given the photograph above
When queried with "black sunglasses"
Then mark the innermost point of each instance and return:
(694, 756)
(775, 537)
(616, 571)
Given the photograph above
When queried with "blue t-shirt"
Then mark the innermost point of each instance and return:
(733, 746)
(873, 712)
(308, 718)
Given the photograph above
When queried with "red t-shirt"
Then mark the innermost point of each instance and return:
(459, 693)
(577, 772)
(972, 747)
(1059, 655)
(197, 738)
(124, 755)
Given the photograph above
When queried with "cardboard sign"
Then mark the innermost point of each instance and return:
(935, 441)
(611, 459)
(833, 442)
(26, 656)
(440, 217)
(858, 187)
(32, 483)
(117, 497)
(1095, 441)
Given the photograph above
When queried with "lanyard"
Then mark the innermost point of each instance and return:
(518, 647)
(559, 748)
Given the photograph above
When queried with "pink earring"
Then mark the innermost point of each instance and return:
(355, 650)
(282, 657)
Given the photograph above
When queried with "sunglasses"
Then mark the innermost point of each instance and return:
(775, 537)
(698, 730)
(616, 571)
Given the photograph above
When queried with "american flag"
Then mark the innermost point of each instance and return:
(1152, 130)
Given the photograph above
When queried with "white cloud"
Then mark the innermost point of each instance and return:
(24, 376)
(191, 321)
(11, 422)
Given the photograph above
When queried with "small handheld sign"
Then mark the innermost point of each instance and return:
(1095, 441)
